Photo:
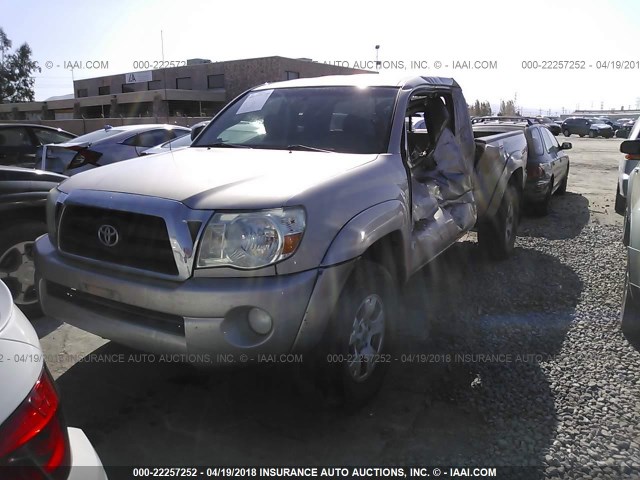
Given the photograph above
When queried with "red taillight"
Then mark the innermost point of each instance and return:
(535, 171)
(630, 156)
(34, 443)
(83, 157)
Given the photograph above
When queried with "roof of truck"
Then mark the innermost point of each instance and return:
(363, 80)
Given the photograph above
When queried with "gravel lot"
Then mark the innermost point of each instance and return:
(524, 365)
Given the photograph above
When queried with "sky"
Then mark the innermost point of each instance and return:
(498, 48)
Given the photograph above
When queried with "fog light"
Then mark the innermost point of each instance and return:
(260, 321)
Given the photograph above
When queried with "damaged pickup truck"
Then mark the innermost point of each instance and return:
(288, 226)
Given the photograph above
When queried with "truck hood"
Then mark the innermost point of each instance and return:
(205, 178)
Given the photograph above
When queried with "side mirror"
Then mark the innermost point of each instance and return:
(630, 147)
(194, 133)
(566, 146)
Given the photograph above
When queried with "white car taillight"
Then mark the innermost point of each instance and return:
(34, 442)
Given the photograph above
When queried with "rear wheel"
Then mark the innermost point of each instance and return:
(17, 269)
(542, 208)
(497, 237)
(562, 188)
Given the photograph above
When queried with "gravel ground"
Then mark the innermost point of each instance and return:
(545, 374)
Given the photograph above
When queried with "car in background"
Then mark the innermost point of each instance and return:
(35, 442)
(612, 123)
(626, 125)
(547, 161)
(583, 126)
(177, 143)
(550, 124)
(19, 142)
(625, 166)
(105, 146)
(23, 196)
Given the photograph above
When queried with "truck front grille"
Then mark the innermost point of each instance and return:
(117, 237)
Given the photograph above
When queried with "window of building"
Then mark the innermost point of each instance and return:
(83, 92)
(215, 81)
(128, 88)
(154, 85)
(183, 83)
(104, 90)
(291, 75)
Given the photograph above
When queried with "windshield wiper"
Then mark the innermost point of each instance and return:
(223, 145)
(307, 148)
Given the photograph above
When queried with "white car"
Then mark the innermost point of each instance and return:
(625, 167)
(35, 441)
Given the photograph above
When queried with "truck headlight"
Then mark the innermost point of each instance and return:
(251, 239)
(55, 198)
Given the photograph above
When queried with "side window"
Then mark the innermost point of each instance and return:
(14, 137)
(537, 141)
(45, 136)
(150, 138)
(549, 141)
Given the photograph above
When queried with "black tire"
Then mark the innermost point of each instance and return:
(630, 313)
(562, 188)
(592, 134)
(542, 208)
(497, 237)
(621, 202)
(16, 264)
(566, 133)
(581, 135)
(369, 287)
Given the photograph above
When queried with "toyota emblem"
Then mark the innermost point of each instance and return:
(108, 235)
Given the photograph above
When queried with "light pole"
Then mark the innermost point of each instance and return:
(377, 61)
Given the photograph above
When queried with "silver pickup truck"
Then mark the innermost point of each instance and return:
(287, 226)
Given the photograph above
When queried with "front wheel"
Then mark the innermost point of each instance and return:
(362, 333)
(630, 313)
(497, 237)
(621, 202)
(17, 269)
(566, 133)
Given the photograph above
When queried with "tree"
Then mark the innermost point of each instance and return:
(16, 72)
(508, 109)
(480, 109)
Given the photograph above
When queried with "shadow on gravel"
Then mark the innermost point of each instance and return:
(458, 409)
(568, 215)
(487, 400)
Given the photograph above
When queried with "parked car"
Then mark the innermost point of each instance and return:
(19, 142)
(630, 314)
(625, 166)
(295, 237)
(105, 146)
(547, 161)
(177, 143)
(550, 124)
(35, 442)
(23, 194)
(586, 126)
(626, 125)
(612, 123)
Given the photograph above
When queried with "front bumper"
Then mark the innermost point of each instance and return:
(204, 319)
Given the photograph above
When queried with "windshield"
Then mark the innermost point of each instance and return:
(336, 119)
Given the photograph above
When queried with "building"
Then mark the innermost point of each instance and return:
(199, 88)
